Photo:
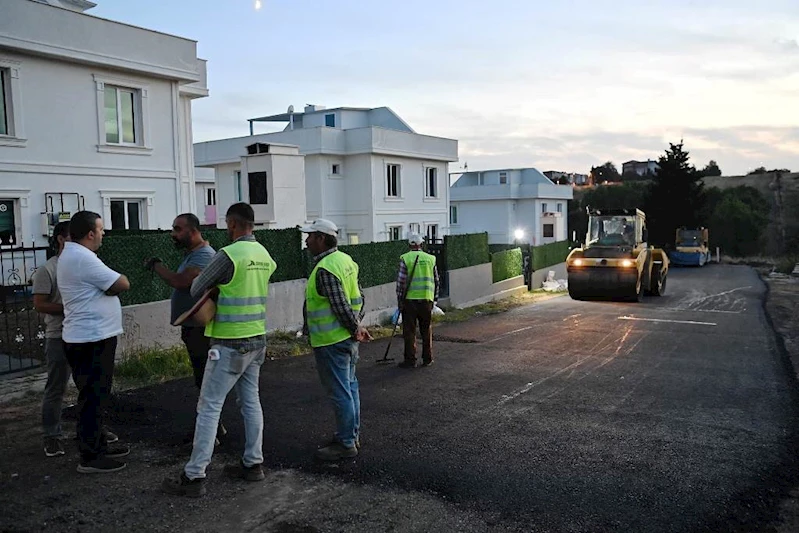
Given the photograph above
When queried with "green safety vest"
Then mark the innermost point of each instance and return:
(241, 306)
(423, 286)
(324, 328)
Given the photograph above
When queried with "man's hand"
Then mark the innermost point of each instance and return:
(149, 264)
(362, 335)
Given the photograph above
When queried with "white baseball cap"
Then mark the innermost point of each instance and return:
(415, 238)
(321, 225)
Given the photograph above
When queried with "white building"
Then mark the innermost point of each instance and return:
(365, 169)
(504, 202)
(205, 189)
(94, 114)
(639, 167)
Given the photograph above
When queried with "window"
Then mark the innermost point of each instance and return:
(126, 214)
(352, 238)
(257, 182)
(453, 214)
(393, 181)
(549, 230)
(330, 120)
(560, 207)
(335, 169)
(237, 185)
(432, 232)
(431, 183)
(415, 227)
(121, 115)
(394, 233)
(210, 196)
(503, 178)
(8, 226)
(4, 97)
(544, 208)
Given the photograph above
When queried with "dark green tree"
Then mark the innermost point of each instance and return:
(675, 198)
(711, 169)
(607, 172)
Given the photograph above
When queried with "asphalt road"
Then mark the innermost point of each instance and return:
(675, 414)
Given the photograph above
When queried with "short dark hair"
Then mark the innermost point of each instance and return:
(331, 241)
(82, 223)
(242, 211)
(191, 220)
(60, 230)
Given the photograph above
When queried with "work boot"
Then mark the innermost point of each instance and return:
(407, 364)
(183, 486)
(247, 473)
(335, 452)
(427, 363)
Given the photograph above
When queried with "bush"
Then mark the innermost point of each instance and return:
(549, 254)
(126, 252)
(156, 364)
(506, 264)
(466, 250)
(377, 261)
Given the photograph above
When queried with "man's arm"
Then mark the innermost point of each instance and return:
(218, 272)
(402, 277)
(119, 286)
(42, 287)
(176, 280)
(437, 282)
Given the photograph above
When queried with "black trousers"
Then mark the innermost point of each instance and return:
(92, 366)
(197, 344)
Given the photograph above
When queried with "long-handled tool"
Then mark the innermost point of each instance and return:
(386, 359)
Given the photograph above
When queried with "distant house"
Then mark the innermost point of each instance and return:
(365, 169)
(572, 178)
(512, 205)
(639, 167)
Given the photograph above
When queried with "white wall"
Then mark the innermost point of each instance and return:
(492, 216)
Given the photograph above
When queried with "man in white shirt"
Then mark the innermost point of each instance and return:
(92, 321)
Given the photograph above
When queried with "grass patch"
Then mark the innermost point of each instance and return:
(493, 308)
(154, 365)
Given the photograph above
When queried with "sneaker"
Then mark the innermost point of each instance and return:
(334, 440)
(53, 447)
(115, 452)
(183, 486)
(248, 473)
(407, 364)
(101, 465)
(335, 452)
(427, 363)
(110, 438)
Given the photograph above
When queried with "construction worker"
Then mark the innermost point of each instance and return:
(334, 308)
(240, 272)
(417, 292)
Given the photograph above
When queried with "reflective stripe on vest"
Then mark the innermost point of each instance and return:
(241, 306)
(423, 285)
(324, 328)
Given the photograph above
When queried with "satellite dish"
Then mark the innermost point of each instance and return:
(291, 109)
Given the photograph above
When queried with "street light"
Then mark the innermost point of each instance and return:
(518, 234)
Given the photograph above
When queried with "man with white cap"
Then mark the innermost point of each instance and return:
(334, 308)
(417, 290)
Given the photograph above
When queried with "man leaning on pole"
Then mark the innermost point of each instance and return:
(417, 290)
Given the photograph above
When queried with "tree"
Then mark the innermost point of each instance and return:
(627, 195)
(737, 225)
(758, 170)
(711, 169)
(675, 198)
(607, 172)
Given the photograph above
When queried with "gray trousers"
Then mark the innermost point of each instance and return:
(58, 373)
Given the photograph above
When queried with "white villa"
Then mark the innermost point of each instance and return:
(366, 169)
(512, 205)
(94, 114)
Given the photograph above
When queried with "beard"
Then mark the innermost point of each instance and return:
(179, 244)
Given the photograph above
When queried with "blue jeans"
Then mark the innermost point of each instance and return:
(232, 369)
(336, 367)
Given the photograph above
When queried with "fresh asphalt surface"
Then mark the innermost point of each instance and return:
(675, 414)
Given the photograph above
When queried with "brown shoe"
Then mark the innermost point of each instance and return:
(247, 473)
(427, 363)
(335, 452)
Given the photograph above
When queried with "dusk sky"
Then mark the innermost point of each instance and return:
(557, 85)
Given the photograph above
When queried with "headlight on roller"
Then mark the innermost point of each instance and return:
(577, 262)
(627, 263)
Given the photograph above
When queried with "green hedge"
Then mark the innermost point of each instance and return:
(466, 250)
(550, 254)
(506, 264)
(126, 253)
(377, 261)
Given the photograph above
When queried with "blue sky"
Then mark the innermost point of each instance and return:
(558, 85)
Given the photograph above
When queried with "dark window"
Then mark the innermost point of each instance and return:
(549, 230)
(8, 228)
(258, 188)
(330, 120)
(118, 214)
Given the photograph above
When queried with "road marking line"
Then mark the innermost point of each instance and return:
(508, 334)
(670, 321)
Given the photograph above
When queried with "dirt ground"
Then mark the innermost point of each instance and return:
(39, 494)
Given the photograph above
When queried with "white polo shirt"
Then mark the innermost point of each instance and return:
(89, 314)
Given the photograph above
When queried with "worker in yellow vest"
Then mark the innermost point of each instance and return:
(334, 309)
(417, 292)
(240, 272)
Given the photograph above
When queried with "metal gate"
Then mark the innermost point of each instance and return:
(438, 248)
(21, 327)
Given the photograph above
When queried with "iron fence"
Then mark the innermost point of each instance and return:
(438, 249)
(21, 327)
